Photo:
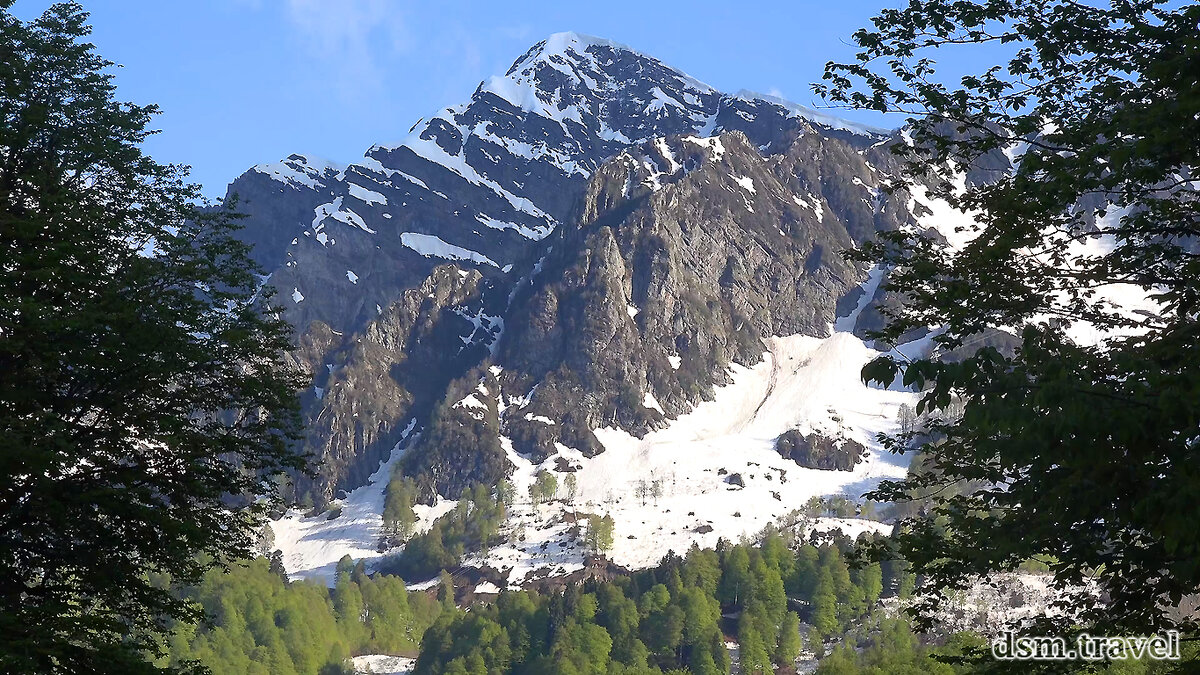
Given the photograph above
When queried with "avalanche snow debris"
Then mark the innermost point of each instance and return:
(382, 664)
(796, 385)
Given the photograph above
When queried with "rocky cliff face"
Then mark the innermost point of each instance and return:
(688, 252)
(482, 182)
(685, 253)
(589, 242)
(368, 387)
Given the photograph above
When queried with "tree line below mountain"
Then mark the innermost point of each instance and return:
(676, 617)
(759, 604)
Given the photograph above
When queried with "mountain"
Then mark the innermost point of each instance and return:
(481, 181)
(591, 247)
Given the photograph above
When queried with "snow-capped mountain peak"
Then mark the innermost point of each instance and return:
(300, 170)
(487, 178)
(573, 69)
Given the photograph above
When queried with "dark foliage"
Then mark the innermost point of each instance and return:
(1086, 435)
(140, 381)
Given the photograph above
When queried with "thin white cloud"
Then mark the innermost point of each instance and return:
(351, 36)
(520, 32)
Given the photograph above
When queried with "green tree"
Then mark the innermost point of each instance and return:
(445, 591)
(851, 601)
(1084, 437)
(767, 596)
(505, 492)
(141, 380)
(585, 646)
(787, 649)
(804, 573)
(399, 518)
(839, 662)
(263, 625)
(870, 579)
(824, 605)
(619, 615)
(701, 612)
(752, 651)
(486, 514)
(702, 569)
(544, 487)
(467, 642)
(776, 555)
(654, 600)
(350, 609)
(735, 577)
(662, 631)
(704, 664)
(599, 535)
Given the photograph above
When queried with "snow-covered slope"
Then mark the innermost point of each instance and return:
(804, 383)
(313, 545)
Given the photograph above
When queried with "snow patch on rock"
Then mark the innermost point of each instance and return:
(431, 245)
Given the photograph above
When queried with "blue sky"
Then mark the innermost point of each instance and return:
(248, 81)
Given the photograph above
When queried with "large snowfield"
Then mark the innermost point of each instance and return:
(805, 383)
